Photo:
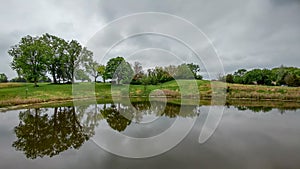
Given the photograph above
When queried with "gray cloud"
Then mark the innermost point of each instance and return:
(246, 34)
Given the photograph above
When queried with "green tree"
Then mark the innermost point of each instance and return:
(101, 72)
(92, 68)
(184, 72)
(117, 68)
(112, 66)
(81, 75)
(195, 70)
(30, 58)
(3, 78)
(124, 73)
(74, 50)
(292, 80)
(229, 78)
(56, 58)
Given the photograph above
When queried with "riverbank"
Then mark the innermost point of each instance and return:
(12, 94)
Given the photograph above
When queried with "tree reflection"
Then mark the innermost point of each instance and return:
(169, 109)
(264, 109)
(48, 132)
(114, 118)
(42, 135)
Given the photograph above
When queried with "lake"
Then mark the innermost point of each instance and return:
(102, 135)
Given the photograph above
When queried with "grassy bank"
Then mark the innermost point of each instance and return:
(25, 93)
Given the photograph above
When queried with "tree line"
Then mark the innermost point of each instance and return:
(34, 58)
(289, 76)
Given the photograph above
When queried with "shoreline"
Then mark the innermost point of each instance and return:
(99, 100)
(25, 94)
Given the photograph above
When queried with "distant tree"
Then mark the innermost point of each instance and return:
(195, 70)
(112, 66)
(119, 69)
(292, 80)
(3, 78)
(124, 73)
(137, 68)
(101, 72)
(81, 75)
(171, 69)
(258, 76)
(184, 72)
(138, 72)
(229, 78)
(18, 79)
(92, 68)
(30, 58)
(240, 72)
(238, 76)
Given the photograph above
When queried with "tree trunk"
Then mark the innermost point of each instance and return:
(54, 79)
(35, 82)
(95, 79)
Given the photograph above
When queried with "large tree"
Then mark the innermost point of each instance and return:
(30, 58)
(74, 51)
(56, 58)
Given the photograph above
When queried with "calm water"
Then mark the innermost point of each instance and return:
(68, 137)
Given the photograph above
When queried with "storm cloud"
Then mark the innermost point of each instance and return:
(248, 34)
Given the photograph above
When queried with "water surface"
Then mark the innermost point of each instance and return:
(64, 137)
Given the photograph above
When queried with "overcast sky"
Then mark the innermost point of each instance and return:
(248, 34)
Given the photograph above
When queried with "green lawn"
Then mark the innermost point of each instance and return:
(25, 93)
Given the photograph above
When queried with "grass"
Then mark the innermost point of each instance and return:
(24, 93)
(259, 92)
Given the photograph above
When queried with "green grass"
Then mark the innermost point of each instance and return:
(25, 93)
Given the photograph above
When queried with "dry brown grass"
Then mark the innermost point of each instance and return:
(258, 92)
(10, 85)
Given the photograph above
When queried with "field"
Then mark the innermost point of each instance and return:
(25, 93)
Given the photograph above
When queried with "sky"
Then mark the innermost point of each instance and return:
(245, 34)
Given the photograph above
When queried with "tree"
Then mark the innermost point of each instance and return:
(29, 58)
(92, 68)
(81, 75)
(3, 78)
(238, 76)
(124, 73)
(101, 72)
(74, 51)
(195, 70)
(138, 72)
(292, 80)
(229, 78)
(56, 58)
(117, 68)
(137, 68)
(184, 72)
(112, 66)
(18, 79)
